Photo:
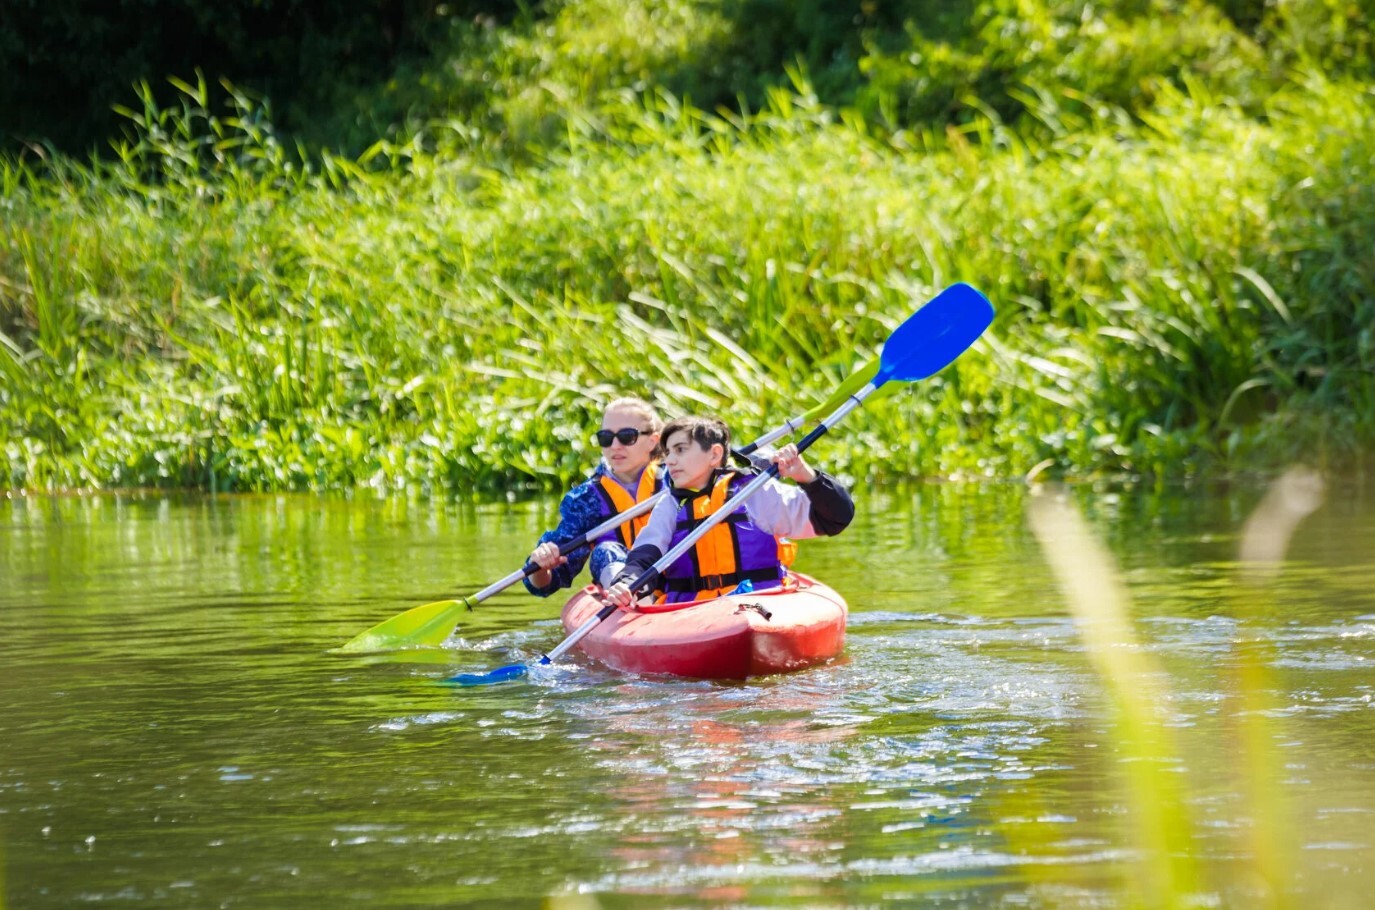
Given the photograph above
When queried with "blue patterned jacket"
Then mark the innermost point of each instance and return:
(579, 512)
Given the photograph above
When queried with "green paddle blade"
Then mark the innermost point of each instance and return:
(424, 626)
(856, 381)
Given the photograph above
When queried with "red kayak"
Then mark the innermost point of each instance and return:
(796, 625)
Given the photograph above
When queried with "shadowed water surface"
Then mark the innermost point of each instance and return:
(173, 732)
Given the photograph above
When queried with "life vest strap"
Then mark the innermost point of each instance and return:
(709, 582)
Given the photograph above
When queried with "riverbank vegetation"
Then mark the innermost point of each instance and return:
(1171, 204)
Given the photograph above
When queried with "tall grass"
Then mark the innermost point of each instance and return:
(1167, 875)
(1152, 749)
(1190, 290)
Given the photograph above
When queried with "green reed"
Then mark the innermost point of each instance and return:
(1186, 291)
(1166, 874)
(1153, 755)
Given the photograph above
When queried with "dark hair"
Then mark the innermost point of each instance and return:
(705, 431)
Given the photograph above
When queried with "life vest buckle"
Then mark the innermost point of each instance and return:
(709, 582)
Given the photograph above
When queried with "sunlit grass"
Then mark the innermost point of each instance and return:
(1178, 294)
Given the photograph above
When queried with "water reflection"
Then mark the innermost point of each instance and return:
(174, 732)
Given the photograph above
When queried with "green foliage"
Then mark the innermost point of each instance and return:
(342, 75)
(1114, 55)
(67, 62)
(915, 65)
(1179, 255)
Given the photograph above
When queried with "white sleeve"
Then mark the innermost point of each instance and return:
(657, 532)
(781, 509)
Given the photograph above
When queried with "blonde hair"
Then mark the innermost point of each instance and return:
(638, 407)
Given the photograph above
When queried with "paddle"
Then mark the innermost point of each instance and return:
(926, 343)
(852, 384)
(429, 625)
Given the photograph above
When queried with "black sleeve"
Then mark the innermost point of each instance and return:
(832, 508)
(636, 562)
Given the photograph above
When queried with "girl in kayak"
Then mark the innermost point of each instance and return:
(744, 547)
(628, 473)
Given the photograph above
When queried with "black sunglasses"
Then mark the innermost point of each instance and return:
(627, 436)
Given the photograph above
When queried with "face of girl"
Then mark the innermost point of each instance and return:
(627, 461)
(689, 465)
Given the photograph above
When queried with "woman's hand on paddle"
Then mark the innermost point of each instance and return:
(619, 594)
(792, 466)
(547, 557)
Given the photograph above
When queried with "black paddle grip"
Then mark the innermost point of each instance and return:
(568, 546)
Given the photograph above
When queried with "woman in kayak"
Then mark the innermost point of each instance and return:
(745, 546)
(628, 473)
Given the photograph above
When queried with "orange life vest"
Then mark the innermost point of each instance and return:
(621, 501)
(715, 553)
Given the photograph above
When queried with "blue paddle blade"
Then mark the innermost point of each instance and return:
(500, 674)
(935, 335)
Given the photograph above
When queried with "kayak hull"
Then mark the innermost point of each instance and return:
(777, 630)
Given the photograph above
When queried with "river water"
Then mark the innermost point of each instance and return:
(175, 733)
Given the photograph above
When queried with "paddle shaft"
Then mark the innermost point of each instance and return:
(925, 343)
(744, 451)
(712, 521)
(432, 623)
(641, 508)
(621, 518)
(568, 546)
(848, 388)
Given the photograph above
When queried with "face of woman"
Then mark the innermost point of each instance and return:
(689, 465)
(627, 461)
